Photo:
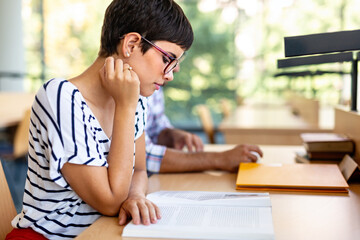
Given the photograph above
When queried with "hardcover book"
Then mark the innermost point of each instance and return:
(328, 155)
(291, 177)
(327, 142)
(303, 157)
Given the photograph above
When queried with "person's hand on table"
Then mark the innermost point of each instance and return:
(240, 153)
(178, 139)
(140, 210)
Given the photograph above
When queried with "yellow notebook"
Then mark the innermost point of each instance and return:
(291, 177)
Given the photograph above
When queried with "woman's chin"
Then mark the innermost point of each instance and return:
(147, 93)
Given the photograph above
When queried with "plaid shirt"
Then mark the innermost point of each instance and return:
(156, 122)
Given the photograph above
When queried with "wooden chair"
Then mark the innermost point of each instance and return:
(239, 100)
(206, 121)
(7, 207)
(225, 107)
(21, 139)
(306, 108)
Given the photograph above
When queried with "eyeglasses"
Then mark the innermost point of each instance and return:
(173, 62)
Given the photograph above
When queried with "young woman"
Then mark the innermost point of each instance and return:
(84, 131)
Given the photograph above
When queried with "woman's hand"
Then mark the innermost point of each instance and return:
(140, 210)
(121, 82)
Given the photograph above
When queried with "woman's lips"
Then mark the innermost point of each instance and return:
(158, 85)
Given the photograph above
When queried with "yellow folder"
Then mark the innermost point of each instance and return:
(291, 177)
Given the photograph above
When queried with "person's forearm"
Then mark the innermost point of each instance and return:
(179, 161)
(120, 157)
(105, 189)
(165, 137)
(139, 183)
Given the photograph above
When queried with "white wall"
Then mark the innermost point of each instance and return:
(11, 46)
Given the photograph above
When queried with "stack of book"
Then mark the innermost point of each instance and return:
(325, 147)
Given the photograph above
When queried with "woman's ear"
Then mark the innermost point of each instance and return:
(130, 42)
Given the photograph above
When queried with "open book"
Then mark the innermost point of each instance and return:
(208, 215)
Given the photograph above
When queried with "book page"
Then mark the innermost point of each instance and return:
(212, 198)
(197, 218)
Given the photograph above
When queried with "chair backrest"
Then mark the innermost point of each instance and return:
(307, 108)
(206, 121)
(225, 107)
(7, 207)
(21, 138)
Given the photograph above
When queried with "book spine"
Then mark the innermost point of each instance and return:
(330, 147)
(326, 155)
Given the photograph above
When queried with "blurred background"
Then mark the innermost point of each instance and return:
(234, 55)
(233, 58)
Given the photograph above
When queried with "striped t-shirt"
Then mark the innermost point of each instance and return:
(63, 129)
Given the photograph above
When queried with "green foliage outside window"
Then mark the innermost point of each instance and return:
(208, 72)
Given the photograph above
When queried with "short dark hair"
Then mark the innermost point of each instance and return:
(154, 19)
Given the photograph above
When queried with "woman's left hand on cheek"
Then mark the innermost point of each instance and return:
(120, 81)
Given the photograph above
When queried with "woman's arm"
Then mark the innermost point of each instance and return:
(137, 206)
(105, 189)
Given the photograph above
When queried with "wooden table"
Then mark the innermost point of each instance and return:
(13, 106)
(267, 124)
(296, 216)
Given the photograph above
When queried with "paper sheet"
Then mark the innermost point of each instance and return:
(208, 215)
